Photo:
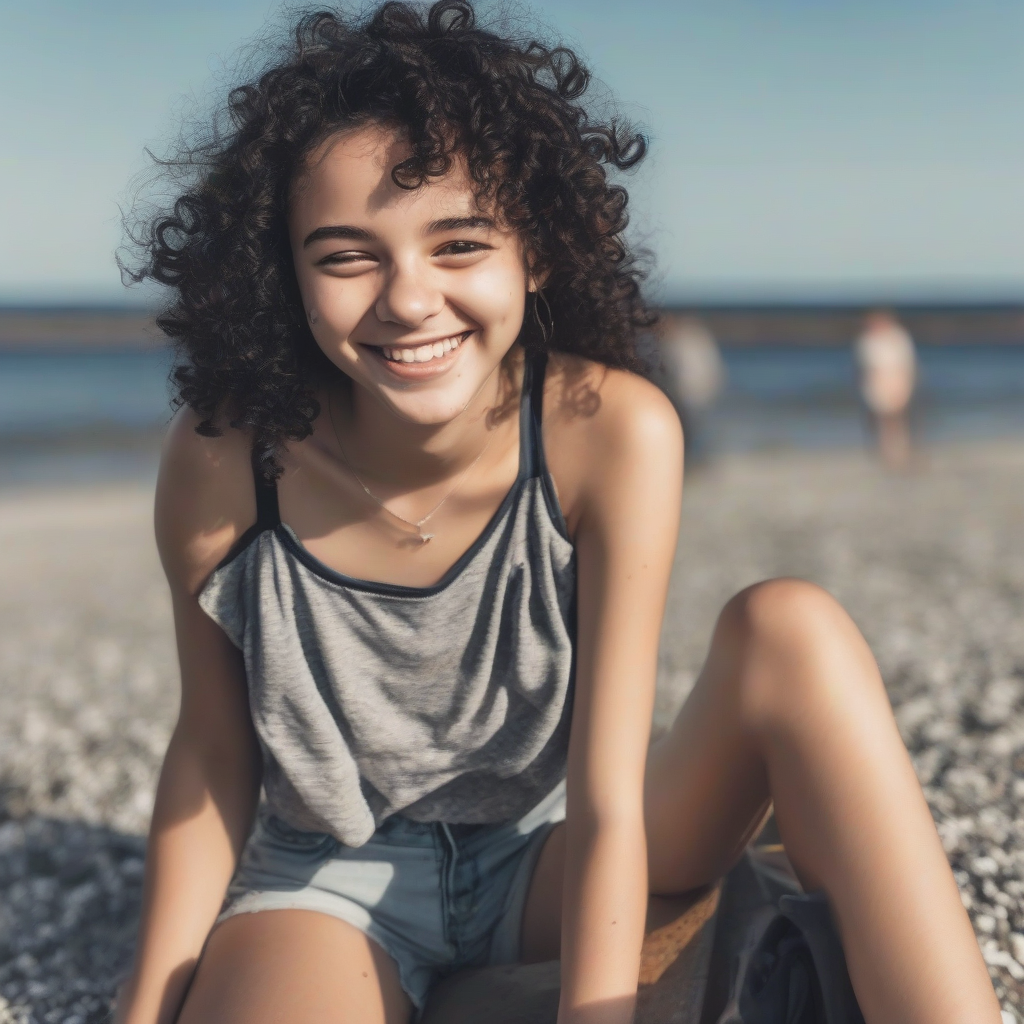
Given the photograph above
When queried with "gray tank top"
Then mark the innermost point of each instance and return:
(445, 703)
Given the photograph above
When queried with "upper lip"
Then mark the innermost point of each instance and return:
(418, 342)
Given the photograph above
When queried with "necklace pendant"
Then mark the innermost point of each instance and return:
(424, 537)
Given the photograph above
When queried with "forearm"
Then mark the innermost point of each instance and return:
(204, 810)
(605, 906)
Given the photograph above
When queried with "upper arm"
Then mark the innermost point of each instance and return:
(625, 510)
(204, 502)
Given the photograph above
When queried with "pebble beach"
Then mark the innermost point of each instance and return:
(930, 564)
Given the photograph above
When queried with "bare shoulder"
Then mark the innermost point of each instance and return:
(602, 428)
(204, 499)
(607, 404)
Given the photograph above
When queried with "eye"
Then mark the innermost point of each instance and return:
(461, 248)
(336, 259)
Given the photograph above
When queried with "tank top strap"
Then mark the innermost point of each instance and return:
(268, 515)
(531, 407)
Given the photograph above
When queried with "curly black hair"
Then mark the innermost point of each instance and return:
(510, 109)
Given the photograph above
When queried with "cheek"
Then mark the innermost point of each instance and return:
(494, 295)
(340, 304)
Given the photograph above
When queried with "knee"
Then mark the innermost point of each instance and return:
(797, 650)
(781, 611)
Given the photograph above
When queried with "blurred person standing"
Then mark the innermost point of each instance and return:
(694, 376)
(888, 368)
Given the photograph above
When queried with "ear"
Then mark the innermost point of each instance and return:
(536, 277)
(536, 281)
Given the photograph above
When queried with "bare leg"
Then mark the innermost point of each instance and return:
(294, 967)
(790, 707)
(894, 440)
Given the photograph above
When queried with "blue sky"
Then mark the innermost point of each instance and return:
(810, 149)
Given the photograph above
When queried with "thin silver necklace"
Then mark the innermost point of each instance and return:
(418, 524)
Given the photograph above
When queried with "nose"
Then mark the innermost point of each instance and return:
(409, 297)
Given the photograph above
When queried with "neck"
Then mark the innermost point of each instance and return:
(383, 447)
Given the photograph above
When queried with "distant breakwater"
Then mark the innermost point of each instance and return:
(77, 329)
(65, 328)
(836, 326)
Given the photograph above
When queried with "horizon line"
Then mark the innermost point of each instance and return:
(675, 303)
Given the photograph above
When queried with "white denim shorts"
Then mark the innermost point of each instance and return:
(438, 898)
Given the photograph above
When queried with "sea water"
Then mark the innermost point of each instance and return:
(74, 416)
(51, 393)
(803, 397)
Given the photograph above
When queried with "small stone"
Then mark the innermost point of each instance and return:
(983, 866)
(998, 702)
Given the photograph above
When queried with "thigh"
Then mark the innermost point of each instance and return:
(706, 790)
(540, 936)
(294, 966)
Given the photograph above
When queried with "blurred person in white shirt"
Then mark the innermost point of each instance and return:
(888, 370)
(694, 375)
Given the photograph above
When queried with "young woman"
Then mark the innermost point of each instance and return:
(418, 516)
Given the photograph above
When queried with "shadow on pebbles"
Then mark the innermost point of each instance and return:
(71, 894)
(930, 566)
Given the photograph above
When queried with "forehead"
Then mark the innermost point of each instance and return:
(349, 176)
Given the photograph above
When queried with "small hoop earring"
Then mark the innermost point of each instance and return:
(547, 330)
(313, 316)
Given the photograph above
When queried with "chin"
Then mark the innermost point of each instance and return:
(426, 409)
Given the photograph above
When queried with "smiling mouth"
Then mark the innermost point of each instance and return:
(423, 353)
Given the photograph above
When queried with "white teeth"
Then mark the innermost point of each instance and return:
(422, 353)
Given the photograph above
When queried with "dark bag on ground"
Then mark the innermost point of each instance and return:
(792, 969)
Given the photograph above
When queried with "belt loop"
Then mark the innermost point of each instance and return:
(448, 834)
(453, 859)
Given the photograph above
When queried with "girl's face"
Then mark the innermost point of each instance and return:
(416, 295)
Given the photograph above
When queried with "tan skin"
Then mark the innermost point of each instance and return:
(789, 706)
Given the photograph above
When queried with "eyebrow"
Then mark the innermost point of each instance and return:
(354, 234)
(338, 231)
(457, 223)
